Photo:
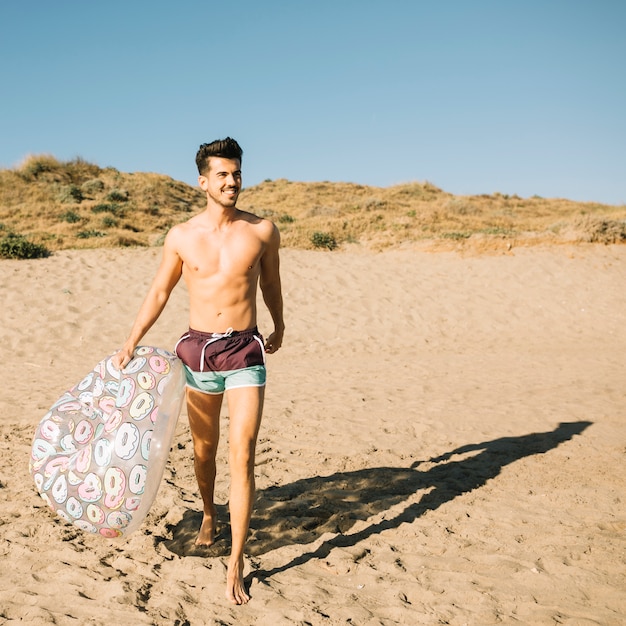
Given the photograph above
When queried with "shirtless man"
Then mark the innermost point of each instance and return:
(222, 253)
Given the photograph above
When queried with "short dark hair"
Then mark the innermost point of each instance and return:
(224, 148)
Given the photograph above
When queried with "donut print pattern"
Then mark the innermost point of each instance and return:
(99, 453)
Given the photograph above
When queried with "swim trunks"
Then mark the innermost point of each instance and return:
(215, 362)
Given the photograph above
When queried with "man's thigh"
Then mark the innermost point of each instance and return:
(203, 411)
(245, 408)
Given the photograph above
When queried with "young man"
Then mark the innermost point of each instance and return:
(222, 253)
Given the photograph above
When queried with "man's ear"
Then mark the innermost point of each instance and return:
(203, 181)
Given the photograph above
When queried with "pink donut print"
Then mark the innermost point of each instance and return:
(56, 465)
(118, 519)
(125, 393)
(95, 514)
(40, 453)
(91, 488)
(107, 404)
(141, 406)
(47, 485)
(59, 489)
(126, 441)
(102, 452)
(146, 440)
(85, 382)
(159, 364)
(83, 432)
(67, 443)
(73, 478)
(73, 406)
(135, 365)
(74, 507)
(86, 526)
(114, 487)
(137, 479)
(49, 430)
(113, 421)
(146, 380)
(132, 503)
(82, 459)
(99, 453)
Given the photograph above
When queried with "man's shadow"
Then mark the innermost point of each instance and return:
(302, 511)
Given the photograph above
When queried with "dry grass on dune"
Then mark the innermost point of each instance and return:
(386, 217)
(76, 204)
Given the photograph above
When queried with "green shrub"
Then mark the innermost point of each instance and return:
(92, 186)
(109, 207)
(455, 235)
(15, 246)
(71, 217)
(109, 222)
(127, 242)
(33, 166)
(286, 219)
(70, 193)
(86, 234)
(323, 240)
(117, 195)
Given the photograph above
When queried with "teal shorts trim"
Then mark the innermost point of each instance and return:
(218, 382)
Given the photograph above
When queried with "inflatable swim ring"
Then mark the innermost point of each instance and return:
(99, 453)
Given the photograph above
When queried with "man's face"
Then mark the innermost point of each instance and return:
(223, 181)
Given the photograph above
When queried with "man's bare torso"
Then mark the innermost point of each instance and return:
(221, 268)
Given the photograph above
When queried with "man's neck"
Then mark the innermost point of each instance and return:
(220, 215)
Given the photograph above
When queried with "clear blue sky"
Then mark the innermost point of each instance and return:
(473, 96)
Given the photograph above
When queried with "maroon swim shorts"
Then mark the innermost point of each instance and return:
(221, 352)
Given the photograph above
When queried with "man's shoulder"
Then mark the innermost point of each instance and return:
(178, 230)
(251, 218)
(178, 234)
(262, 225)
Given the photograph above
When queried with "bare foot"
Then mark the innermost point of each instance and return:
(235, 589)
(206, 536)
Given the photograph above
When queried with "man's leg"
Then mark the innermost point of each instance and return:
(245, 407)
(204, 420)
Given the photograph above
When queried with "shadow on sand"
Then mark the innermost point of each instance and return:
(302, 511)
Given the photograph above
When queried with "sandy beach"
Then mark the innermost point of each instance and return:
(443, 442)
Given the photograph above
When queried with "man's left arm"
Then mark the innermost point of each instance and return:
(271, 289)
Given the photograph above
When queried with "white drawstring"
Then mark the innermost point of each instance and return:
(214, 337)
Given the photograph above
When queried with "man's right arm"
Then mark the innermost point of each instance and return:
(168, 274)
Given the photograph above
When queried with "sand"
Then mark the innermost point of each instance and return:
(443, 443)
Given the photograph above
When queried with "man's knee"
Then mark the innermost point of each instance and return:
(242, 457)
(204, 450)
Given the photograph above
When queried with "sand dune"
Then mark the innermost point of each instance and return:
(443, 442)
